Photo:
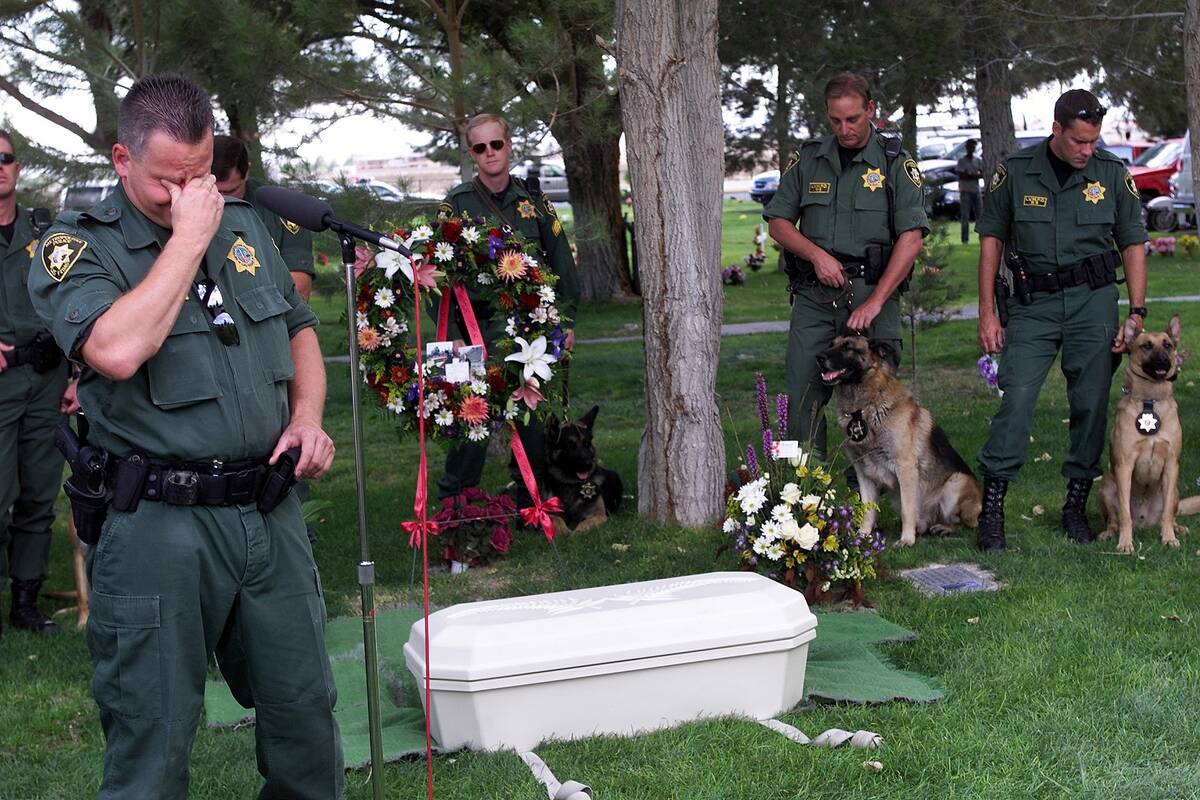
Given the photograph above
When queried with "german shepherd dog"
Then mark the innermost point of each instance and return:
(589, 493)
(894, 443)
(1141, 488)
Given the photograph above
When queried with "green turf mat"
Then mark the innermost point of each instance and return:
(843, 665)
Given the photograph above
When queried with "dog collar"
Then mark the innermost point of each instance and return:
(856, 429)
(1148, 423)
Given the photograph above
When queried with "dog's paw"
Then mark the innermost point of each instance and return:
(1169, 540)
(1181, 529)
(587, 523)
(940, 530)
(1107, 533)
(1125, 547)
(907, 539)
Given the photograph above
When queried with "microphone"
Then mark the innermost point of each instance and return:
(316, 215)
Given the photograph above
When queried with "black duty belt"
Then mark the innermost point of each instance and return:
(1095, 271)
(194, 484)
(42, 353)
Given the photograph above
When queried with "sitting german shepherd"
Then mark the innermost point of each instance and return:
(893, 443)
(1141, 488)
(588, 492)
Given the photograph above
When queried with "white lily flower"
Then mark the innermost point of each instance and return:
(392, 262)
(535, 358)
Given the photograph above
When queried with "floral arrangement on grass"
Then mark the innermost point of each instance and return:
(1163, 246)
(756, 259)
(989, 370)
(475, 526)
(454, 256)
(733, 275)
(1189, 244)
(788, 521)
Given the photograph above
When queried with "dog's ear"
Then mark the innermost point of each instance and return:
(1131, 333)
(552, 430)
(1173, 328)
(589, 419)
(883, 349)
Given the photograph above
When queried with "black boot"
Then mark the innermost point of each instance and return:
(24, 614)
(1074, 511)
(990, 530)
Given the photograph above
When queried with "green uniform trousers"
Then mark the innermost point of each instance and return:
(172, 584)
(814, 324)
(1082, 322)
(31, 469)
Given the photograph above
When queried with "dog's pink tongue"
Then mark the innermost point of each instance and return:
(581, 475)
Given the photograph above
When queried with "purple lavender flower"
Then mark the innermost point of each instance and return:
(781, 413)
(989, 370)
(767, 442)
(751, 461)
(760, 390)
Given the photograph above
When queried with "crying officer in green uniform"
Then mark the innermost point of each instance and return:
(1055, 211)
(850, 213)
(205, 388)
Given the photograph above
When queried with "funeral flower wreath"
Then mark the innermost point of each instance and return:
(470, 263)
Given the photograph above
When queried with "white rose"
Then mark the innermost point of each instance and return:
(810, 502)
(789, 529)
(790, 494)
(808, 536)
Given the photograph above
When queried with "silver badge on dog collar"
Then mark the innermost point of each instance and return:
(1148, 422)
(857, 428)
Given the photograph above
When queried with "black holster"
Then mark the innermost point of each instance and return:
(86, 487)
(1002, 295)
(45, 354)
(281, 477)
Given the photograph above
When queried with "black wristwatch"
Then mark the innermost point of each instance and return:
(1139, 310)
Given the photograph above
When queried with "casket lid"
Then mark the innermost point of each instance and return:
(585, 627)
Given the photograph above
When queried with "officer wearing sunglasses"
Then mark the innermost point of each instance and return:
(206, 391)
(34, 391)
(501, 199)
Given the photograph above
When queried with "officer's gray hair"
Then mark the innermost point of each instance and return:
(168, 103)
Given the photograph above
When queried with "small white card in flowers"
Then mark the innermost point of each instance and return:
(458, 371)
(788, 448)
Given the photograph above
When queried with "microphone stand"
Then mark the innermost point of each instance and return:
(366, 567)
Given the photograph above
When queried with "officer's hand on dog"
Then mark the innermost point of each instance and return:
(829, 270)
(316, 448)
(1127, 333)
(991, 334)
(196, 209)
(864, 315)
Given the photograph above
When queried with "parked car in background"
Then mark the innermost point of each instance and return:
(1153, 169)
(1129, 152)
(551, 177)
(764, 186)
(82, 196)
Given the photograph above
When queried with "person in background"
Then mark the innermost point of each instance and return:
(969, 170)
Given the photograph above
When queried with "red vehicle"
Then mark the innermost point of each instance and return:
(1154, 168)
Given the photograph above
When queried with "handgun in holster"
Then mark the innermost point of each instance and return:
(86, 487)
(281, 477)
(1022, 286)
(1002, 294)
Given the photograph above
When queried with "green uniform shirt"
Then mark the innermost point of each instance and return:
(536, 220)
(196, 399)
(1055, 227)
(295, 244)
(845, 211)
(19, 323)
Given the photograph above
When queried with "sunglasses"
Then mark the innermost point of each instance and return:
(209, 295)
(7, 158)
(1091, 114)
(481, 147)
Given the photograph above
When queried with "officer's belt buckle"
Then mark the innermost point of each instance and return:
(181, 487)
(243, 486)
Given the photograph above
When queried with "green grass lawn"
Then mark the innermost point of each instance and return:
(1077, 681)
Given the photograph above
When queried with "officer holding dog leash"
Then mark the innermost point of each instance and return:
(850, 215)
(34, 393)
(204, 392)
(1058, 207)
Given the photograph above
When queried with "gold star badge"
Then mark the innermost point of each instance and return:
(242, 256)
(526, 210)
(290, 226)
(872, 179)
(1093, 192)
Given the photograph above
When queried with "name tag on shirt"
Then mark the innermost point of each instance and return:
(1036, 201)
(818, 187)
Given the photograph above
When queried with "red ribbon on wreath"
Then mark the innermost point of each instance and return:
(459, 292)
(537, 515)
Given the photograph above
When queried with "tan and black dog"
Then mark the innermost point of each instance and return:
(893, 443)
(1141, 487)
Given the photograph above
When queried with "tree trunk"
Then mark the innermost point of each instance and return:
(908, 124)
(783, 113)
(593, 166)
(1191, 85)
(993, 96)
(243, 124)
(671, 107)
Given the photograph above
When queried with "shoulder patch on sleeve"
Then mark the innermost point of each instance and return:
(549, 204)
(913, 171)
(60, 251)
(1131, 186)
(998, 178)
(445, 210)
(290, 226)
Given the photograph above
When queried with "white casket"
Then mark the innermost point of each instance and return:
(612, 660)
